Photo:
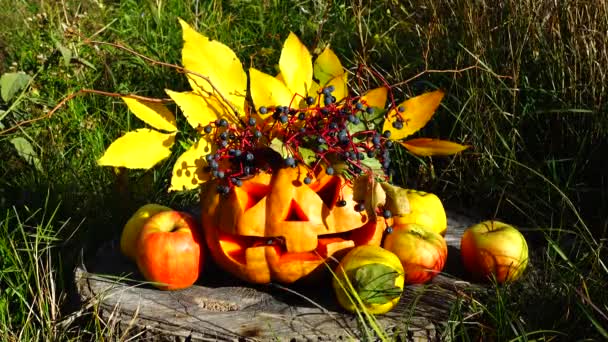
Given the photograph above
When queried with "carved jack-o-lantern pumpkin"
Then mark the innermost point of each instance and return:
(277, 228)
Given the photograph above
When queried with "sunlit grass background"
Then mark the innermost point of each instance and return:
(526, 87)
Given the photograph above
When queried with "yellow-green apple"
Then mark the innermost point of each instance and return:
(371, 273)
(494, 249)
(170, 252)
(131, 230)
(422, 251)
(426, 209)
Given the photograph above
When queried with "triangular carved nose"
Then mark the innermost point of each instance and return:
(295, 213)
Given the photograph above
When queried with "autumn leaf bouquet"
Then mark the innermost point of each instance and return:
(252, 121)
(293, 168)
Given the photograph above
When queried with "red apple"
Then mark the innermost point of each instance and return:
(494, 249)
(170, 250)
(422, 251)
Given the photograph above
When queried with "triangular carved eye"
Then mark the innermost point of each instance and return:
(296, 213)
(255, 193)
(330, 192)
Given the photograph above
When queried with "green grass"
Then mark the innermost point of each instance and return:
(533, 108)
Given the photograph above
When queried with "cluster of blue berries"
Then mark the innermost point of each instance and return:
(335, 132)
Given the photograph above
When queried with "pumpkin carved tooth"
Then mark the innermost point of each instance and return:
(277, 228)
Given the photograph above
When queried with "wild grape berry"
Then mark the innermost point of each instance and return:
(223, 123)
(331, 88)
(213, 164)
(329, 171)
(237, 153)
(289, 161)
(252, 120)
(401, 109)
(376, 139)
(328, 100)
(302, 116)
(386, 134)
(341, 203)
(263, 110)
(249, 156)
(257, 134)
(238, 182)
(389, 144)
(398, 124)
(220, 174)
(223, 135)
(207, 129)
(209, 158)
(359, 207)
(388, 230)
(369, 110)
(351, 118)
(283, 118)
(310, 100)
(387, 214)
(359, 105)
(307, 180)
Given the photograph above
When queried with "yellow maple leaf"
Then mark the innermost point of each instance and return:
(417, 111)
(153, 113)
(139, 149)
(189, 169)
(295, 64)
(433, 147)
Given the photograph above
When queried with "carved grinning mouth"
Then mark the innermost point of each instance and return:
(235, 246)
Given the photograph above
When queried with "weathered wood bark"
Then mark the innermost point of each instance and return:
(221, 308)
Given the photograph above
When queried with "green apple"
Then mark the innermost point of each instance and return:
(426, 210)
(131, 230)
(494, 249)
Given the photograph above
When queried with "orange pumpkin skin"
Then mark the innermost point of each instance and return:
(277, 228)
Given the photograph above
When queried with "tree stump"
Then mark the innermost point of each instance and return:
(222, 308)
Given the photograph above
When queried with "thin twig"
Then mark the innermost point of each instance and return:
(73, 95)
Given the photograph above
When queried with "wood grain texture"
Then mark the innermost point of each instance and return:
(222, 308)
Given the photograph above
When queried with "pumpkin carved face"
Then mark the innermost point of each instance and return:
(277, 228)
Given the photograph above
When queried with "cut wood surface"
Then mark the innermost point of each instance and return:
(222, 308)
